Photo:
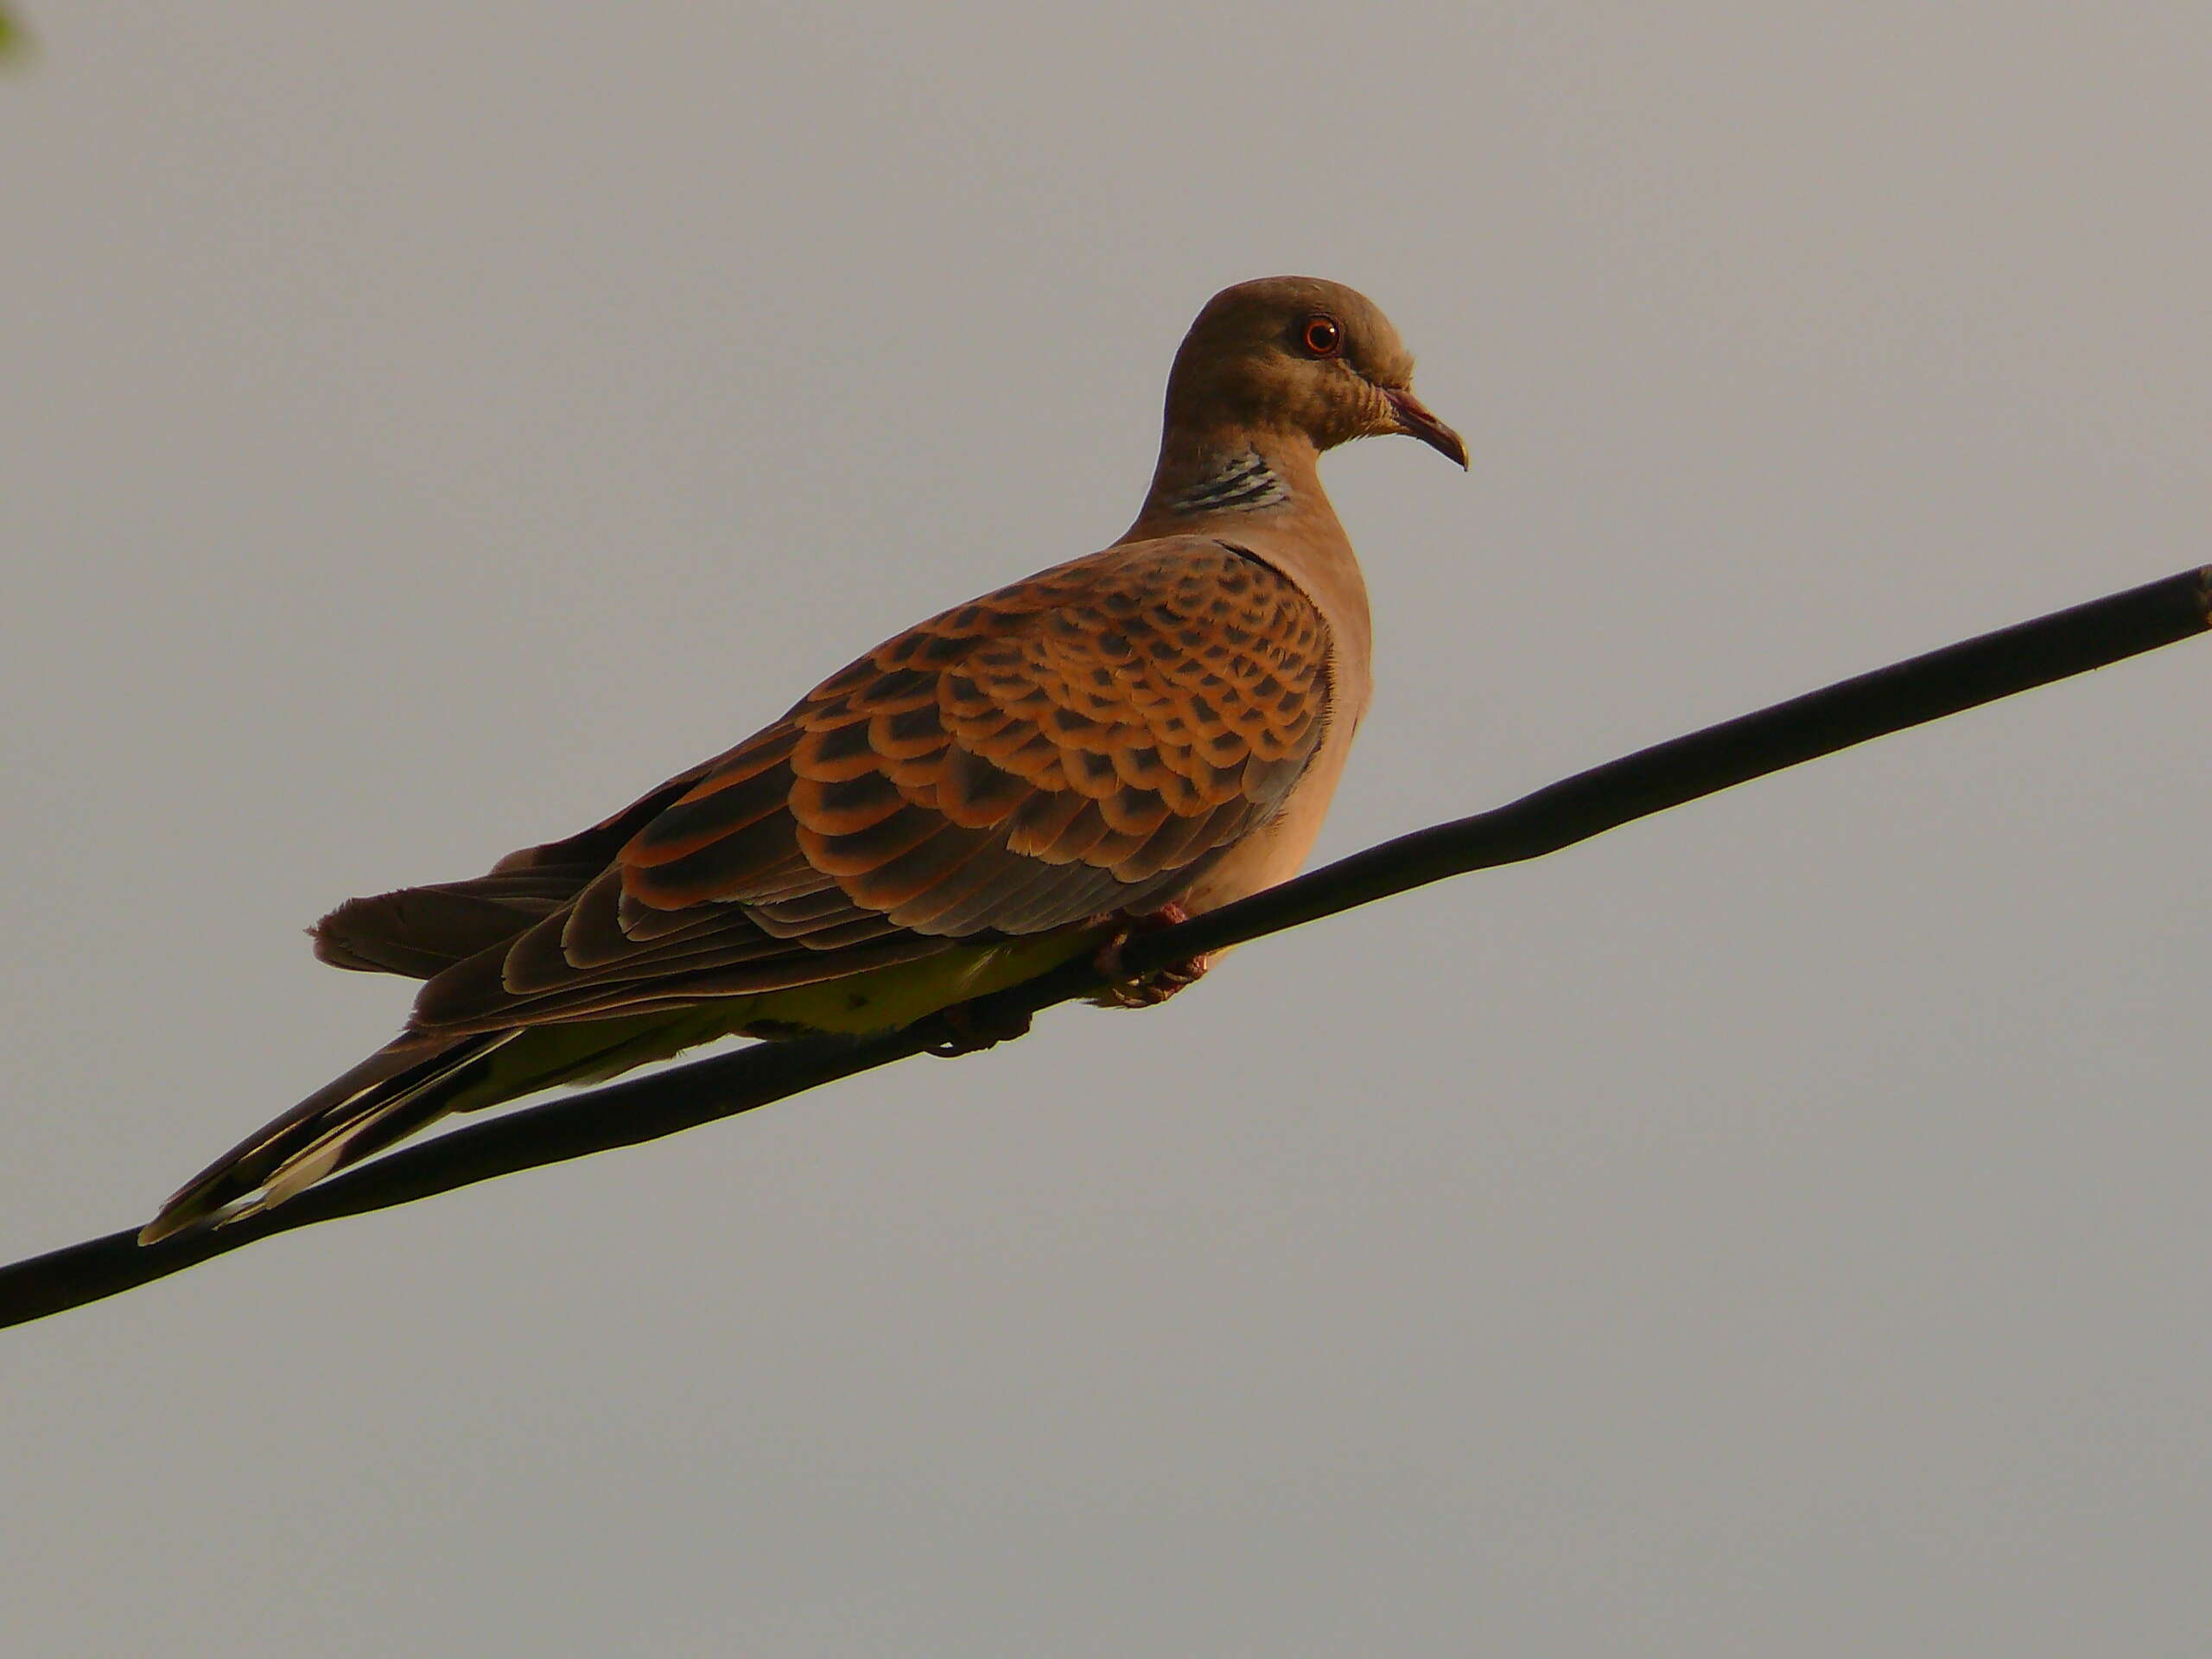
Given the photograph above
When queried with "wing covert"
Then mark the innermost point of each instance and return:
(1077, 743)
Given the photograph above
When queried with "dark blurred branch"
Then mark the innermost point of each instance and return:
(1924, 689)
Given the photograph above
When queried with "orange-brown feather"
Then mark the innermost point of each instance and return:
(1077, 743)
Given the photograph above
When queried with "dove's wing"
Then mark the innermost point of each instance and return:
(1078, 743)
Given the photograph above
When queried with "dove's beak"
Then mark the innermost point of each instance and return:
(1415, 422)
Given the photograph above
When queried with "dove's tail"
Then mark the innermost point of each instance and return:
(417, 1079)
(407, 1085)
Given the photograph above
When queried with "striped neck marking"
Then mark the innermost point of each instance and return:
(1242, 484)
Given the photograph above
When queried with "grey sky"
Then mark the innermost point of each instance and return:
(1778, 1227)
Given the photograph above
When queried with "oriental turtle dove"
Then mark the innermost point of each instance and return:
(1156, 725)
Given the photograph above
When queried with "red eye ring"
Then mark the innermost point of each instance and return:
(1324, 336)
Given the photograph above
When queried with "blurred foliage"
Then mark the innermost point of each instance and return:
(15, 41)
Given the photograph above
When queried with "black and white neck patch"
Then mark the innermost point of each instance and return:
(1243, 484)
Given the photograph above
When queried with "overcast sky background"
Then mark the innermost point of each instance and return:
(1778, 1227)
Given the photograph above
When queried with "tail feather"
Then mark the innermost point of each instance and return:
(422, 932)
(403, 1086)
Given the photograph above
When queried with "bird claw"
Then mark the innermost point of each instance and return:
(1126, 990)
(971, 1027)
(972, 1031)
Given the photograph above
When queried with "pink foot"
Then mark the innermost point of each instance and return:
(970, 1033)
(1124, 990)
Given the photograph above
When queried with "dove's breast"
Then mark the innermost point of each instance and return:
(1277, 849)
(1320, 562)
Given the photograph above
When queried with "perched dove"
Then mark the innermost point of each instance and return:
(1152, 729)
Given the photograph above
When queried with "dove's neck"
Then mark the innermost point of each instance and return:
(1262, 492)
(1235, 475)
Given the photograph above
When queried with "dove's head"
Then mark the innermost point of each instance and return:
(1301, 358)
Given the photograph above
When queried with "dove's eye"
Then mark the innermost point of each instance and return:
(1322, 337)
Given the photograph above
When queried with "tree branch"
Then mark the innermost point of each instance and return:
(1890, 699)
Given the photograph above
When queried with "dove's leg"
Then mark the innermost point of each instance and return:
(972, 1031)
(1124, 990)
